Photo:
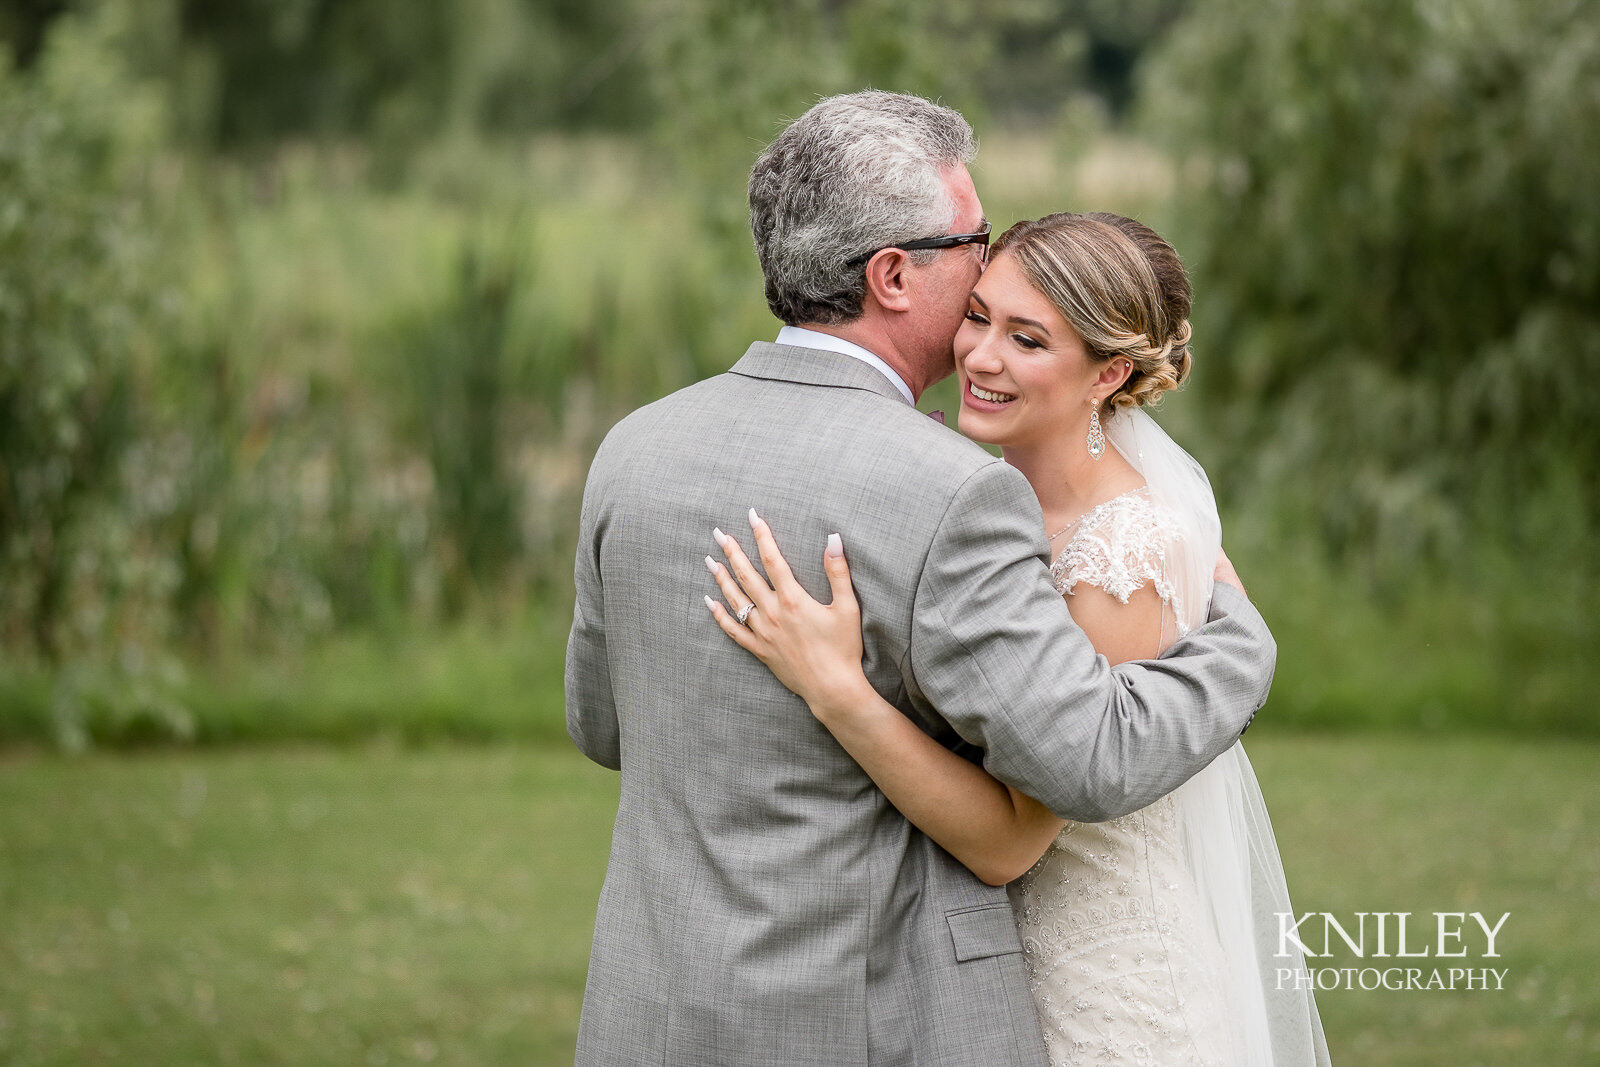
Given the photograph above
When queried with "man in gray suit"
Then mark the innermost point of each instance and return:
(764, 904)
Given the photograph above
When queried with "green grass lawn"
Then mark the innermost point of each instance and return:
(387, 905)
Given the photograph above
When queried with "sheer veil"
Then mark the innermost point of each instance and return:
(1226, 834)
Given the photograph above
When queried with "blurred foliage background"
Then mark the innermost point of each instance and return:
(312, 314)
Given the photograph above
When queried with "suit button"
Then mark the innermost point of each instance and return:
(1247, 723)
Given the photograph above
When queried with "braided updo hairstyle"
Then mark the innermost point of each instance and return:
(1120, 286)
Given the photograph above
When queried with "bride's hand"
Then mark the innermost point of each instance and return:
(814, 649)
(1225, 573)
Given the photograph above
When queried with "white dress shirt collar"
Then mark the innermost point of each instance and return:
(801, 337)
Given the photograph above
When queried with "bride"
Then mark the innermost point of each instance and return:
(1150, 938)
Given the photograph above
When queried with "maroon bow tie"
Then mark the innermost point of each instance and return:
(937, 416)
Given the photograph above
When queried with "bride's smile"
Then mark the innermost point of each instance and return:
(986, 395)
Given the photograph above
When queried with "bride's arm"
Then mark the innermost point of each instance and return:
(1119, 632)
(994, 831)
(815, 650)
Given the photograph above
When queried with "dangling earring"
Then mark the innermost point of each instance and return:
(1097, 437)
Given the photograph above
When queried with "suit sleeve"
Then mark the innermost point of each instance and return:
(995, 651)
(591, 707)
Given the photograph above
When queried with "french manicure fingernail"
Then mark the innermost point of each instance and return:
(754, 518)
(835, 546)
(711, 565)
(717, 533)
(710, 605)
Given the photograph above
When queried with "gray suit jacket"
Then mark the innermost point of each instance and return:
(764, 903)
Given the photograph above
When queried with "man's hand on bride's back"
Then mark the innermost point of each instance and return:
(1226, 573)
(815, 649)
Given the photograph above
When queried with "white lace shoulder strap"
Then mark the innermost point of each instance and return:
(1119, 546)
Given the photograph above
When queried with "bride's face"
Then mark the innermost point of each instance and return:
(1025, 375)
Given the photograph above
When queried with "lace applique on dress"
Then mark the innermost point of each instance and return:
(1120, 546)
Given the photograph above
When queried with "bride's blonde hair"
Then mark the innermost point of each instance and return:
(1120, 286)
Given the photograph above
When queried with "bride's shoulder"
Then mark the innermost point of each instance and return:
(1119, 545)
(1128, 520)
(1132, 512)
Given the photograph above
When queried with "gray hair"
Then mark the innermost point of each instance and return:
(854, 174)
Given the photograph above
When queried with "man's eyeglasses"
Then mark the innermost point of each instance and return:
(954, 240)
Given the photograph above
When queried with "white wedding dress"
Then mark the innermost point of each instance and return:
(1148, 939)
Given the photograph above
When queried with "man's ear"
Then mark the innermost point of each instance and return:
(887, 279)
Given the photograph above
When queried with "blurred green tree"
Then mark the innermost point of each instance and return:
(23, 24)
(1047, 52)
(78, 308)
(250, 73)
(1391, 215)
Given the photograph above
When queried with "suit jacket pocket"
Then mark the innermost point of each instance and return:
(983, 931)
